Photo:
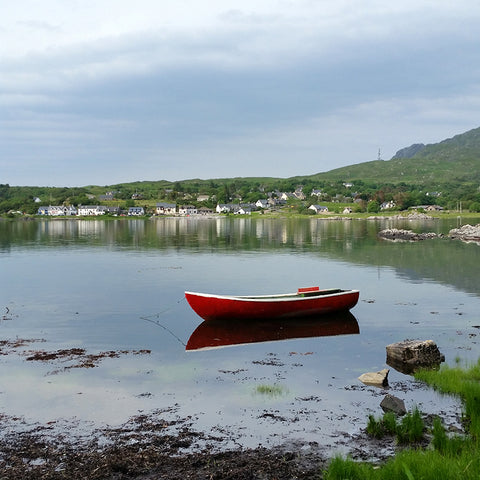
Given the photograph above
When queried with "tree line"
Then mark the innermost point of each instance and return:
(362, 195)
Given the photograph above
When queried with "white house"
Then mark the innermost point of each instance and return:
(187, 210)
(136, 211)
(57, 210)
(318, 208)
(286, 196)
(261, 203)
(242, 210)
(388, 205)
(166, 208)
(91, 210)
(222, 208)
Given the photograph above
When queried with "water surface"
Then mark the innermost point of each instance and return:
(118, 285)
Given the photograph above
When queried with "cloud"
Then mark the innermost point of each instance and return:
(222, 90)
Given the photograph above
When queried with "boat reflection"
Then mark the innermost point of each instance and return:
(215, 334)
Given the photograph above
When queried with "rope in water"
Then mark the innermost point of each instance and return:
(150, 318)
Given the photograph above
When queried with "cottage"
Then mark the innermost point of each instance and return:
(347, 210)
(239, 210)
(261, 203)
(223, 208)
(205, 211)
(57, 211)
(107, 197)
(113, 210)
(91, 210)
(318, 208)
(276, 202)
(166, 209)
(187, 210)
(388, 205)
(299, 193)
(428, 208)
(135, 211)
(203, 198)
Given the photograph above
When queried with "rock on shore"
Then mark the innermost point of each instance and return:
(466, 233)
(401, 235)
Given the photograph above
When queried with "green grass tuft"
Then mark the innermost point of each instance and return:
(449, 457)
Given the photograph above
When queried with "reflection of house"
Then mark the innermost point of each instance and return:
(318, 208)
(387, 205)
(135, 211)
(89, 210)
(166, 208)
(187, 210)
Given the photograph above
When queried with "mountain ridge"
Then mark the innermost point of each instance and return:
(420, 164)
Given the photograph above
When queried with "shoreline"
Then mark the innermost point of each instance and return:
(160, 444)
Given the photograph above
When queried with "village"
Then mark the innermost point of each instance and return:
(274, 202)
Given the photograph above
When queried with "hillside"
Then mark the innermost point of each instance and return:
(451, 167)
(456, 159)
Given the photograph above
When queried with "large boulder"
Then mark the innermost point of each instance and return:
(410, 355)
(466, 233)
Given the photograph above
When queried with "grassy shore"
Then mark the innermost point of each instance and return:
(448, 456)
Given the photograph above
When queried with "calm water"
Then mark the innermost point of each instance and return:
(118, 285)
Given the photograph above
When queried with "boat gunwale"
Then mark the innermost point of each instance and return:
(282, 297)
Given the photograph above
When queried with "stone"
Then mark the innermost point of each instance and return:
(400, 235)
(466, 233)
(377, 379)
(393, 404)
(410, 355)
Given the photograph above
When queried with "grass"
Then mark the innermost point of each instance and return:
(270, 390)
(448, 456)
(409, 430)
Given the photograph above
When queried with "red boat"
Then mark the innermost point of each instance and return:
(306, 302)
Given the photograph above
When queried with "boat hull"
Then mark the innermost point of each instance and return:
(310, 303)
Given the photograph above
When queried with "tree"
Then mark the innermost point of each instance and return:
(373, 207)
(474, 207)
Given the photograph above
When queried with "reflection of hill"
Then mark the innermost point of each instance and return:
(443, 260)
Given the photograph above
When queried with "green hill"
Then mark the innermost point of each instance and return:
(456, 159)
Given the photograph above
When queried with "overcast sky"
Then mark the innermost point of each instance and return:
(107, 91)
